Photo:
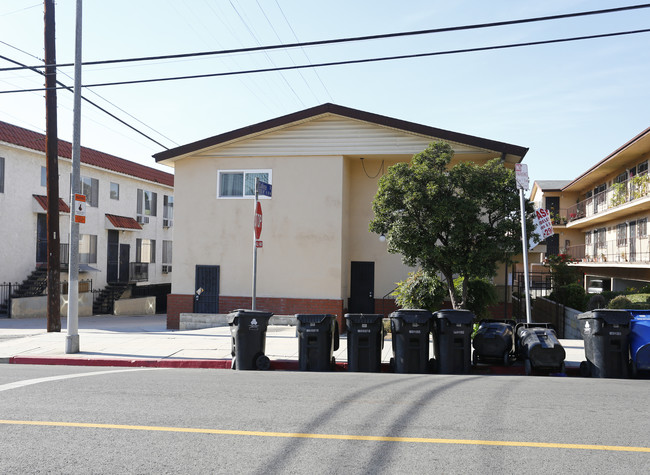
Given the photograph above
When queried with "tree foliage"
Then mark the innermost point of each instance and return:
(420, 290)
(461, 220)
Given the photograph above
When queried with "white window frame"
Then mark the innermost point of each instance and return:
(110, 191)
(244, 171)
(88, 248)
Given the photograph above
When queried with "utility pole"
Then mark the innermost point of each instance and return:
(72, 340)
(52, 175)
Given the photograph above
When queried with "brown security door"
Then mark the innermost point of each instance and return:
(112, 258)
(362, 288)
(41, 238)
(125, 251)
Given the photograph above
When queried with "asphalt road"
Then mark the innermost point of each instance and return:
(57, 419)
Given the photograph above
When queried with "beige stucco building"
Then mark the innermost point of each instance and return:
(318, 256)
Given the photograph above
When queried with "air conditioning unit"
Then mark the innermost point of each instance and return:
(142, 219)
(167, 223)
(166, 268)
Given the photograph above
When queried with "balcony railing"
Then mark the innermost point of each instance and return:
(138, 271)
(621, 251)
(618, 194)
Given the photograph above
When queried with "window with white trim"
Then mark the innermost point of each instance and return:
(240, 183)
(115, 191)
(145, 250)
(167, 252)
(43, 176)
(168, 211)
(88, 249)
(2, 174)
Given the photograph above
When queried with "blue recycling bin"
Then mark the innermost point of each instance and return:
(639, 341)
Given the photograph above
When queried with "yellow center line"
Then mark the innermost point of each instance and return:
(419, 440)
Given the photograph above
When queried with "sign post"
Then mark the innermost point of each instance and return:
(264, 189)
(521, 175)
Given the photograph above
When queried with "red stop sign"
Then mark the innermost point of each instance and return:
(257, 225)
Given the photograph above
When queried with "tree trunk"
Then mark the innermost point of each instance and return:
(450, 286)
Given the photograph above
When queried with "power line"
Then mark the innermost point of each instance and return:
(354, 61)
(69, 88)
(358, 38)
(302, 49)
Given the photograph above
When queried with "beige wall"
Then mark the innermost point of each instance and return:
(302, 228)
(362, 244)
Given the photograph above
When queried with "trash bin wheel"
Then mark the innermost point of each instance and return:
(262, 362)
(392, 364)
(585, 371)
(333, 362)
(634, 371)
(475, 358)
(528, 367)
(563, 368)
(432, 366)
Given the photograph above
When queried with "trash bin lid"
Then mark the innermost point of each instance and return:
(640, 315)
(455, 316)
(312, 318)
(247, 313)
(412, 315)
(364, 317)
(610, 316)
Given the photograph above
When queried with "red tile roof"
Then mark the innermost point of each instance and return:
(42, 200)
(123, 222)
(15, 135)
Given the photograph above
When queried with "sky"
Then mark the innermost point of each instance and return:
(571, 104)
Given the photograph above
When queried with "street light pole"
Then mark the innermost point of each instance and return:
(72, 340)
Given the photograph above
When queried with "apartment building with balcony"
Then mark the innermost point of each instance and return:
(602, 216)
(126, 241)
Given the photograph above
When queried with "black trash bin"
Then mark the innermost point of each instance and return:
(365, 335)
(494, 342)
(410, 332)
(248, 329)
(452, 341)
(318, 338)
(537, 344)
(606, 337)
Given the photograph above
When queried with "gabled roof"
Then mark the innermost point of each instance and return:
(42, 200)
(123, 222)
(21, 137)
(329, 108)
(629, 152)
(552, 185)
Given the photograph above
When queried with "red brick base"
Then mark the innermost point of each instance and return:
(283, 306)
(177, 304)
(181, 303)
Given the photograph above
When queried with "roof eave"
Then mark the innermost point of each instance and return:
(169, 156)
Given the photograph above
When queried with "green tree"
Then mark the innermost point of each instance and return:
(459, 220)
(420, 290)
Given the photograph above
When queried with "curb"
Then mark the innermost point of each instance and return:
(276, 365)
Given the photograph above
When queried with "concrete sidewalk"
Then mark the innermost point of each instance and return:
(145, 341)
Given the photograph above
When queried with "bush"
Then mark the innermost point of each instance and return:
(421, 290)
(481, 294)
(596, 301)
(572, 295)
(620, 302)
